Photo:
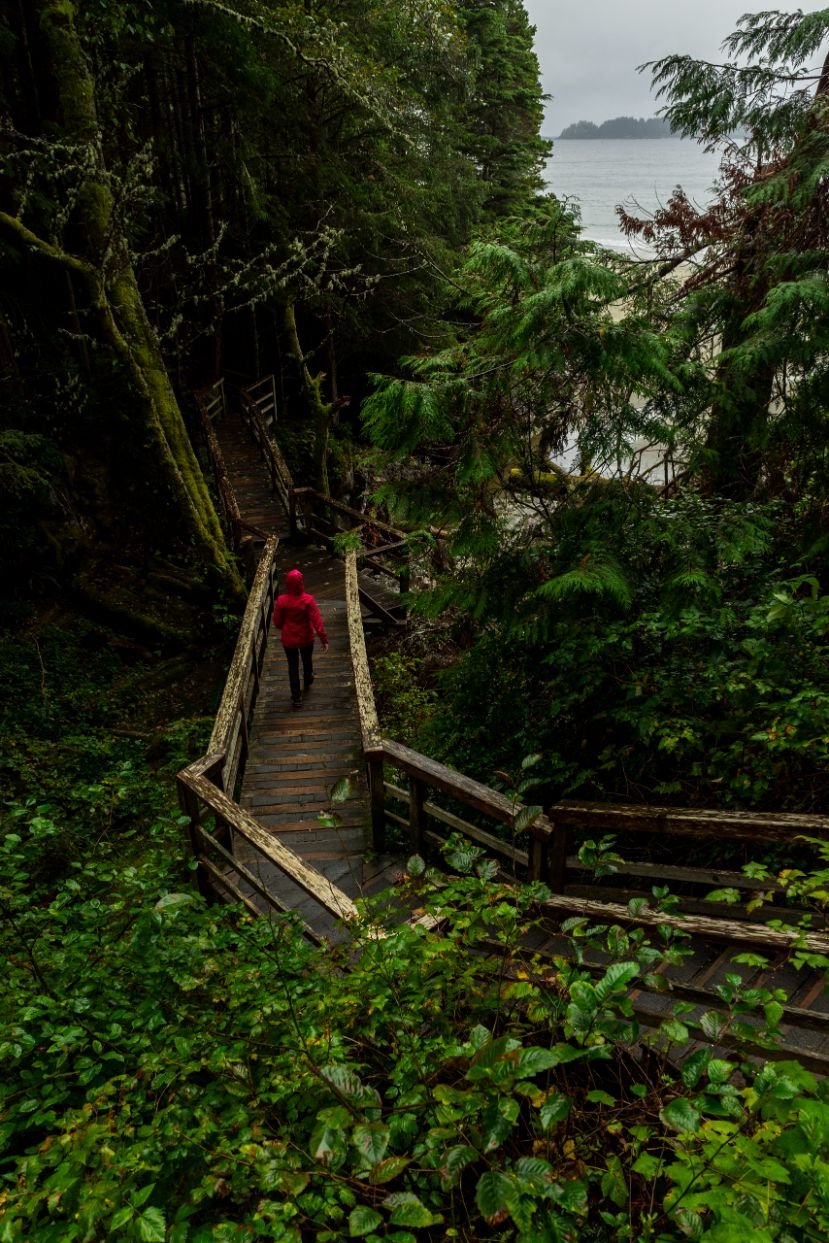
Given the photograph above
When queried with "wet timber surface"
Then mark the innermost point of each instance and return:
(297, 756)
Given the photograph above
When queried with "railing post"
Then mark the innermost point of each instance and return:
(556, 862)
(189, 804)
(548, 857)
(376, 779)
(537, 858)
(292, 526)
(405, 578)
(417, 797)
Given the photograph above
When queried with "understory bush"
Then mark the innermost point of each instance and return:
(685, 664)
(178, 1073)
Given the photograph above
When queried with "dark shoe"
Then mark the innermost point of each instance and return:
(308, 681)
(297, 703)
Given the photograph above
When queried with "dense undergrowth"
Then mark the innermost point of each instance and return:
(172, 1072)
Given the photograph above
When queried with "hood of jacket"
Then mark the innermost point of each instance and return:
(294, 583)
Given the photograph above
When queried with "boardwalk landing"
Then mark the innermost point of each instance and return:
(297, 755)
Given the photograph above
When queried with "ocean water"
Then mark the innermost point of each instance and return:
(598, 173)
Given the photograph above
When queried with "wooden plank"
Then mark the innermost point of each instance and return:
(287, 861)
(239, 672)
(718, 878)
(340, 507)
(687, 905)
(417, 797)
(694, 925)
(219, 878)
(378, 609)
(739, 825)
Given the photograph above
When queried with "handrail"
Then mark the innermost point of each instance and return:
(700, 822)
(212, 400)
(423, 772)
(228, 503)
(229, 736)
(280, 475)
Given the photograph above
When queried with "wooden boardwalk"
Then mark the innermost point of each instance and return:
(297, 756)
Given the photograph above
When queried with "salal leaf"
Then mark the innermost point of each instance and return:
(371, 1141)
(362, 1221)
(681, 1115)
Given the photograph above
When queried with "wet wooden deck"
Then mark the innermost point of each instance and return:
(297, 756)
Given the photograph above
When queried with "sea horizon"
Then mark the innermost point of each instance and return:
(597, 174)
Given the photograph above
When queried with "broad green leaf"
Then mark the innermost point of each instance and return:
(534, 1170)
(151, 1226)
(616, 978)
(341, 790)
(494, 1195)
(554, 1110)
(172, 901)
(457, 1159)
(388, 1169)
(407, 1209)
(371, 1141)
(492, 1052)
(598, 1097)
(681, 1115)
(343, 1080)
(648, 1166)
(121, 1218)
(525, 817)
(362, 1221)
(712, 1024)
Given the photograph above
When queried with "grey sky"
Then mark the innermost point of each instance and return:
(589, 49)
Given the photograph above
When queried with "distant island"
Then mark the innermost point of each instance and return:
(620, 127)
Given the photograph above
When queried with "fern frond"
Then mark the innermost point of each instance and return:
(401, 415)
(593, 576)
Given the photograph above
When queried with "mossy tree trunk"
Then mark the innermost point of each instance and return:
(113, 290)
(319, 408)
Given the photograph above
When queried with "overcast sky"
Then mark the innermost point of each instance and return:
(589, 49)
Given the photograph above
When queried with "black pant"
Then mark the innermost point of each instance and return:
(293, 654)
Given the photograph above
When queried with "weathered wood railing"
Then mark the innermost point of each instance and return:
(262, 394)
(320, 518)
(384, 549)
(548, 856)
(254, 415)
(575, 822)
(212, 405)
(426, 822)
(220, 830)
(551, 839)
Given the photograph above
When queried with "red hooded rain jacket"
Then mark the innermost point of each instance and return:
(296, 614)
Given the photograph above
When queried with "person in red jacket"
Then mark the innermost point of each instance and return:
(296, 614)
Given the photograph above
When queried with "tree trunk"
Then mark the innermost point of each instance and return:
(320, 410)
(116, 297)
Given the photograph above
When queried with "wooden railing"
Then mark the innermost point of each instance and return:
(426, 823)
(384, 548)
(550, 853)
(242, 536)
(254, 416)
(220, 830)
(262, 394)
(383, 551)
